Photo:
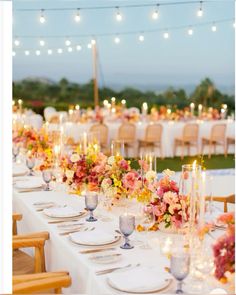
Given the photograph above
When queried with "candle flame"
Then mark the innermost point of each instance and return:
(194, 164)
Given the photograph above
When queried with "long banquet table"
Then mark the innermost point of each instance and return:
(62, 254)
(171, 130)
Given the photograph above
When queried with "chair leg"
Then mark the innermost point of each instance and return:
(202, 148)
(182, 151)
(225, 149)
(174, 149)
(209, 154)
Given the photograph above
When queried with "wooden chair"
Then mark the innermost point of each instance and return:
(189, 138)
(54, 119)
(153, 136)
(102, 131)
(217, 137)
(42, 282)
(127, 134)
(229, 141)
(228, 199)
(15, 217)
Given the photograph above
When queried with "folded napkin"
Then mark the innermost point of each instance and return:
(18, 170)
(140, 279)
(95, 237)
(61, 212)
(29, 183)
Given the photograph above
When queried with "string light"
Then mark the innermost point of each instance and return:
(70, 49)
(13, 53)
(190, 31)
(213, 28)
(37, 52)
(78, 47)
(155, 13)
(59, 50)
(118, 15)
(27, 52)
(77, 16)
(117, 40)
(41, 42)
(141, 38)
(166, 35)
(89, 46)
(68, 42)
(234, 25)
(42, 18)
(17, 42)
(93, 42)
(200, 11)
(49, 51)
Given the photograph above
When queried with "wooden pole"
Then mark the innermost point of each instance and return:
(95, 79)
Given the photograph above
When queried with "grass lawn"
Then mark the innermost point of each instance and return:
(216, 162)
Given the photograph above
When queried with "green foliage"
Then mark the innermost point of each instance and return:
(40, 93)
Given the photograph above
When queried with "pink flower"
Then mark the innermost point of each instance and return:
(159, 209)
(143, 164)
(170, 198)
(226, 218)
(130, 180)
(124, 164)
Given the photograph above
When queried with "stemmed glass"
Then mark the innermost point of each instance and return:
(179, 267)
(30, 163)
(127, 226)
(147, 219)
(91, 202)
(15, 152)
(47, 177)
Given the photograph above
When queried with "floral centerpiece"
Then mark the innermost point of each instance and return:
(224, 250)
(84, 171)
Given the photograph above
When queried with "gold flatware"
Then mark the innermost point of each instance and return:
(90, 251)
(62, 220)
(29, 190)
(76, 230)
(109, 270)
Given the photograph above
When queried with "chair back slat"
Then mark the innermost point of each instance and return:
(218, 132)
(101, 130)
(153, 133)
(127, 132)
(190, 132)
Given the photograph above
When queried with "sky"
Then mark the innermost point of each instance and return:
(180, 60)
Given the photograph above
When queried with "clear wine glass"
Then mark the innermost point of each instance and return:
(147, 220)
(15, 152)
(30, 163)
(179, 266)
(127, 226)
(91, 202)
(47, 177)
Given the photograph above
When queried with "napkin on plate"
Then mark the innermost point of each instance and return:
(18, 170)
(61, 212)
(139, 279)
(95, 237)
(29, 183)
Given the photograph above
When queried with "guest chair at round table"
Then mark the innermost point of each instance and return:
(189, 138)
(217, 137)
(29, 273)
(153, 138)
(101, 130)
(127, 134)
(229, 141)
(225, 200)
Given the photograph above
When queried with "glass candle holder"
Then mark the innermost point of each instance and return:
(30, 163)
(127, 226)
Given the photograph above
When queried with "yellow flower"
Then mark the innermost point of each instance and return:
(69, 173)
(74, 158)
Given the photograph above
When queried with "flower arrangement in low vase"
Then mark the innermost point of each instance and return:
(224, 251)
(84, 171)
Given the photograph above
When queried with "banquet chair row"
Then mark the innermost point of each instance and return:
(29, 274)
(190, 137)
(225, 200)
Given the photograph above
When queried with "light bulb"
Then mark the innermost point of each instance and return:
(70, 49)
(200, 11)
(166, 35)
(68, 42)
(190, 31)
(93, 42)
(41, 42)
(155, 13)
(234, 25)
(42, 17)
(37, 52)
(13, 53)
(17, 42)
(27, 52)
(89, 46)
(118, 15)
(78, 47)
(117, 40)
(77, 16)
(214, 28)
(141, 38)
(49, 51)
(59, 50)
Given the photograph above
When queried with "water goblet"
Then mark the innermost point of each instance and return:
(15, 152)
(47, 177)
(127, 226)
(179, 266)
(91, 202)
(30, 163)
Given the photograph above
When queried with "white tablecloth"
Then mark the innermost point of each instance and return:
(62, 254)
(170, 131)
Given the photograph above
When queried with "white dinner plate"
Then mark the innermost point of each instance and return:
(29, 184)
(62, 212)
(96, 238)
(18, 171)
(140, 280)
(105, 258)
